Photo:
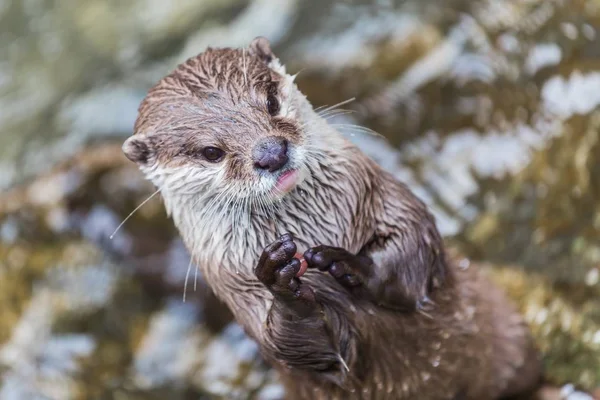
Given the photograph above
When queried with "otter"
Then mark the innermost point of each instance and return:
(258, 184)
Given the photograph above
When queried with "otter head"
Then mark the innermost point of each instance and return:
(225, 126)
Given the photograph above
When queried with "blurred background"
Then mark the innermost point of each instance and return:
(491, 113)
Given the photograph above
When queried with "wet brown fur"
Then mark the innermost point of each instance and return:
(210, 87)
(454, 336)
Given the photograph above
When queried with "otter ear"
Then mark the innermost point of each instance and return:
(138, 149)
(261, 47)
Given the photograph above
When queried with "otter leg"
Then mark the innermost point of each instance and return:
(302, 332)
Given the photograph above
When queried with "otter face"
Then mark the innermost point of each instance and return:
(224, 125)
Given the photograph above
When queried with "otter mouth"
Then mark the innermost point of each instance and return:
(286, 181)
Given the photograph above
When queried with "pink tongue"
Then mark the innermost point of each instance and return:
(287, 181)
(303, 265)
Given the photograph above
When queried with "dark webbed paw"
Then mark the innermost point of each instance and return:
(304, 333)
(358, 274)
(348, 269)
(277, 269)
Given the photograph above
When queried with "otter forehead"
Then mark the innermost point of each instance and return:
(217, 74)
(212, 82)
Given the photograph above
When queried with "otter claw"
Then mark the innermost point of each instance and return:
(425, 304)
(286, 237)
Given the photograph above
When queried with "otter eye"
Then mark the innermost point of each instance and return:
(213, 154)
(272, 105)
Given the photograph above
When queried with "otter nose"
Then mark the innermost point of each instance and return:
(270, 153)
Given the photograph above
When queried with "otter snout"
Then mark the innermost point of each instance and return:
(270, 153)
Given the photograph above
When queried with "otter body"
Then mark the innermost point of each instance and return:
(251, 176)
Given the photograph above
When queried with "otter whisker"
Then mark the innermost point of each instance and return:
(297, 73)
(343, 362)
(187, 275)
(230, 202)
(245, 210)
(336, 113)
(133, 212)
(257, 205)
(243, 204)
(195, 204)
(358, 128)
(341, 103)
(214, 203)
(332, 111)
(234, 205)
(326, 116)
(230, 198)
(267, 206)
(215, 214)
(273, 208)
(195, 276)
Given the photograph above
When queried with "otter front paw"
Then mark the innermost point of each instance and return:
(277, 270)
(357, 274)
(348, 269)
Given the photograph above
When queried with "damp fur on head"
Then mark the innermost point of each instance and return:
(226, 99)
